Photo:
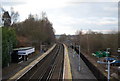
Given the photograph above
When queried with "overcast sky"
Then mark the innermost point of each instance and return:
(68, 16)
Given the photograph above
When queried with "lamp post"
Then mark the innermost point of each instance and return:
(88, 42)
(108, 63)
(79, 57)
(107, 52)
(73, 51)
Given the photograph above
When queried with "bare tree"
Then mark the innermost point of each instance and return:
(14, 16)
(37, 31)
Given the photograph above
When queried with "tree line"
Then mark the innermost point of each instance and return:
(35, 31)
(96, 41)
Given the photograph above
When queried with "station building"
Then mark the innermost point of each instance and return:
(21, 54)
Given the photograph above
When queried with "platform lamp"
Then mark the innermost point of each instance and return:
(79, 57)
(108, 64)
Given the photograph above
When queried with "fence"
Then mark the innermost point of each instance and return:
(97, 73)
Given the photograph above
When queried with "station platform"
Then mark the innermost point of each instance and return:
(67, 75)
(84, 74)
(24, 70)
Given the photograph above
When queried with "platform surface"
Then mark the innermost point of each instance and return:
(67, 75)
(84, 74)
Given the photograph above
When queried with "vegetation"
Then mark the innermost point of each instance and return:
(8, 43)
(34, 31)
(62, 38)
(9, 19)
(94, 41)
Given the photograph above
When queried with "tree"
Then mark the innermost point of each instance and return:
(62, 38)
(37, 31)
(95, 41)
(8, 43)
(9, 19)
(6, 18)
(14, 16)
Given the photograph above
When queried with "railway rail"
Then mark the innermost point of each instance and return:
(49, 68)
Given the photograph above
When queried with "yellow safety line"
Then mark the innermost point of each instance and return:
(67, 69)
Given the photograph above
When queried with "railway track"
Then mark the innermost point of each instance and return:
(49, 68)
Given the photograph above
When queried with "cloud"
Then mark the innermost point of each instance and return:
(68, 16)
(64, 30)
(76, 1)
(71, 24)
(101, 21)
(46, 4)
(11, 2)
(68, 20)
(112, 9)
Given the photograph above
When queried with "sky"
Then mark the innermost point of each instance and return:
(69, 16)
